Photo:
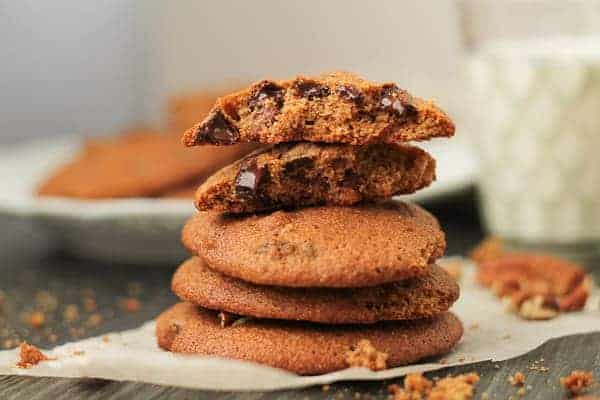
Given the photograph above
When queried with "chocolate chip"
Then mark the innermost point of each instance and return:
(393, 98)
(263, 91)
(551, 302)
(310, 89)
(351, 179)
(298, 164)
(350, 93)
(218, 130)
(248, 179)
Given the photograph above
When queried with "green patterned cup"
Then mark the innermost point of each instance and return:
(538, 139)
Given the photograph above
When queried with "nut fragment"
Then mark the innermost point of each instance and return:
(536, 286)
(535, 309)
(518, 379)
(577, 381)
(489, 249)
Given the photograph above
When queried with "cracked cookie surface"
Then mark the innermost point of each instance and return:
(337, 107)
(307, 174)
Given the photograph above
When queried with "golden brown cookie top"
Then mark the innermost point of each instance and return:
(337, 107)
(307, 174)
(364, 245)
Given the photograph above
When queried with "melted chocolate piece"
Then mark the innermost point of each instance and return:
(310, 89)
(350, 93)
(351, 179)
(218, 130)
(263, 91)
(299, 163)
(392, 99)
(248, 179)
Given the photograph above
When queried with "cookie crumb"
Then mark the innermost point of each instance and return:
(89, 304)
(78, 353)
(417, 383)
(538, 366)
(417, 387)
(30, 355)
(325, 388)
(488, 249)
(71, 313)
(94, 320)
(460, 387)
(131, 304)
(518, 379)
(36, 319)
(577, 381)
(366, 355)
(105, 338)
(453, 268)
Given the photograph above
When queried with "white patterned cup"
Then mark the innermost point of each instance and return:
(537, 135)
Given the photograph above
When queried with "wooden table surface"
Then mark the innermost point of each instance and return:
(33, 272)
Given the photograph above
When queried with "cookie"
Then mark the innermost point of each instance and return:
(338, 107)
(307, 174)
(416, 298)
(136, 164)
(302, 347)
(186, 109)
(329, 246)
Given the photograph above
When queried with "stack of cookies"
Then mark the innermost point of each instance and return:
(300, 259)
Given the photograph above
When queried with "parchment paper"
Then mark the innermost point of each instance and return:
(490, 333)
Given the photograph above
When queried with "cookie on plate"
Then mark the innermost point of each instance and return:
(141, 163)
(309, 348)
(419, 297)
(307, 174)
(329, 246)
(338, 107)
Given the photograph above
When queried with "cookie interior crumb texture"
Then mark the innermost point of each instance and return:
(365, 355)
(337, 107)
(308, 174)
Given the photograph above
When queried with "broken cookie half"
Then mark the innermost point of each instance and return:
(337, 107)
(308, 174)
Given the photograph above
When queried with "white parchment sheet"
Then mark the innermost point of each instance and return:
(490, 333)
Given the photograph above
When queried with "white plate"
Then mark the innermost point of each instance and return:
(144, 230)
